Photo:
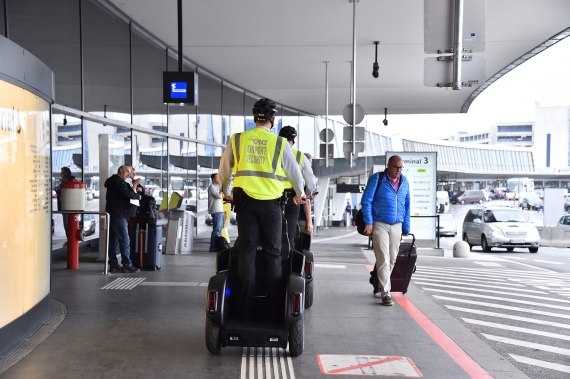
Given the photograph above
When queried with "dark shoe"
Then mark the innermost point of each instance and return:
(115, 269)
(387, 300)
(130, 269)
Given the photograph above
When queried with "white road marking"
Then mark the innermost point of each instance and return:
(516, 329)
(476, 284)
(544, 305)
(540, 363)
(502, 306)
(266, 363)
(508, 317)
(489, 264)
(123, 284)
(488, 278)
(326, 265)
(550, 262)
(334, 238)
(530, 345)
(491, 291)
(533, 267)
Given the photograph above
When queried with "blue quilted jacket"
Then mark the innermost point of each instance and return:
(384, 204)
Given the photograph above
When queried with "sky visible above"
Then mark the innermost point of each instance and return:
(543, 80)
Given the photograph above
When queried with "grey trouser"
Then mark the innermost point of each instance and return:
(386, 240)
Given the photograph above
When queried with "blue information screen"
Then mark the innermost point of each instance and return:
(180, 87)
(178, 90)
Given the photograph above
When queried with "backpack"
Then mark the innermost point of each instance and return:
(359, 219)
(147, 212)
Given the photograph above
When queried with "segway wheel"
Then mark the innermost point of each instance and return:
(309, 294)
(296, 338)
(212, 337)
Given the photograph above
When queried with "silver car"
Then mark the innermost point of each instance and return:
(472, 196)
(499, 227)
(447, 225)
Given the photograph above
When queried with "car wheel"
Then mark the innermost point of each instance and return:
(509, 249)
(484, 245)
(296, 338)
(533, 249)
(212, 337)
(467, 240)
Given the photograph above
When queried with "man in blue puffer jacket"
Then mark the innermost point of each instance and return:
(386, 210)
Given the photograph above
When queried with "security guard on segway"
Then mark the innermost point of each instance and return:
(292, 209)
(255, 157)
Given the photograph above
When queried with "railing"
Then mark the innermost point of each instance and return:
(107, 221)
(436, 228)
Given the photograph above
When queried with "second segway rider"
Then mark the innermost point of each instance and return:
(254, 157)
(291, 209)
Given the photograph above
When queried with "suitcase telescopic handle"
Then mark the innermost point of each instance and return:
(412, 244)
(413, 238)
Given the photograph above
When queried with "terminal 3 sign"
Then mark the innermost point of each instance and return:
(420, 168)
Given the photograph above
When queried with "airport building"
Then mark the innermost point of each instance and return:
(81, 86)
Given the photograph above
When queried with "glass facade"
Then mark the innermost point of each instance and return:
(514, 128)
(107, 66)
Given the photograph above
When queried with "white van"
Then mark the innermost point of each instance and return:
(441, 202)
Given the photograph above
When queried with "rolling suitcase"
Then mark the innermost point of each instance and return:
(403, 269)
(148, 256)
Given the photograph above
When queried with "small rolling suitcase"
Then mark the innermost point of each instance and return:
(148, 256)
(403, 269)
(405, 266)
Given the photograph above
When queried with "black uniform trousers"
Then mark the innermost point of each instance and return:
(292, 217)
(259, 223)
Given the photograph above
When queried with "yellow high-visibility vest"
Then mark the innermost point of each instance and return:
(257, 158)
(281, 173)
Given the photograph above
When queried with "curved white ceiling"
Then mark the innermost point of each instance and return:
(277, 48)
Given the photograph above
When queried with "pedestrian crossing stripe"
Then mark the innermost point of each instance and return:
(368, 365)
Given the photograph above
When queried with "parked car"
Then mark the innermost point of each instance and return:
(499, 227)
(472, 196)
(564, 223)
(447, 225)
(88, 224)
(531, 201)
(567, 204)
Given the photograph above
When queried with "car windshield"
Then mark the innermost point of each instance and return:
(504, 215)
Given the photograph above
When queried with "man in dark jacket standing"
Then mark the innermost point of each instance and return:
(386, 210)
(119, 196)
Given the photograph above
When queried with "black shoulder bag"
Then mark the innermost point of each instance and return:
(359, 220)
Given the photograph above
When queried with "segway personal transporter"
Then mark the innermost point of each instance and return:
(287, 328)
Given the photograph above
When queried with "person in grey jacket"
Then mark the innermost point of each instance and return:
(216, 209)
(386, 211)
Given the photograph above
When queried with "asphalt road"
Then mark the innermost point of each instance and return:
(516, 302)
